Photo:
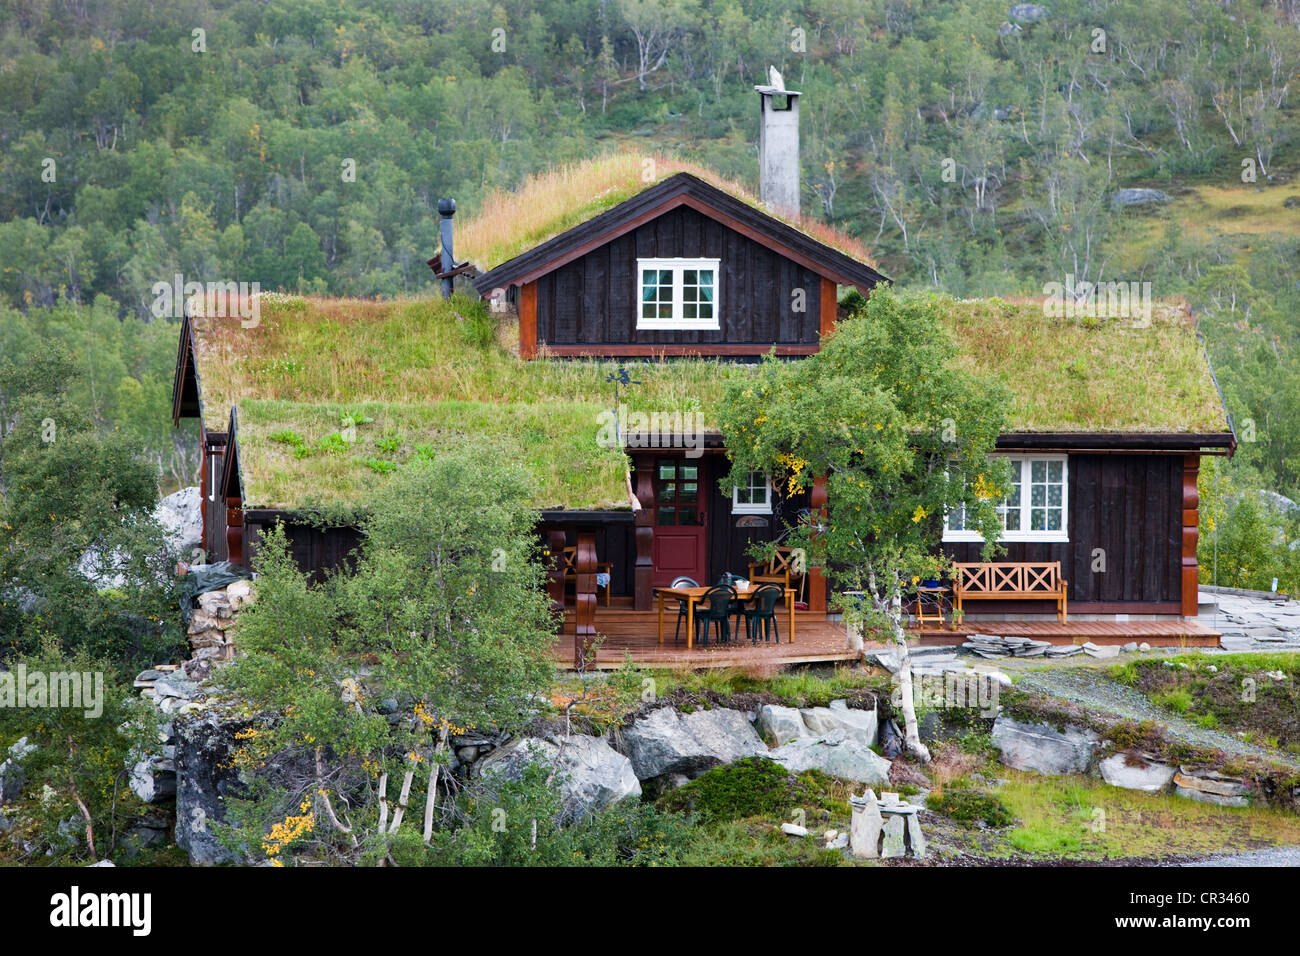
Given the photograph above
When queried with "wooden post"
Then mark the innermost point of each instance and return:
(816, 580)
(235, 531)
(528, 320)
(643, 571)
(828, 304)
(585, 600)
(1191, 534)
(555, 569)
(204, 505)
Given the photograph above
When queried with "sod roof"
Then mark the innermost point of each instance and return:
(509, 223)
(415, 375)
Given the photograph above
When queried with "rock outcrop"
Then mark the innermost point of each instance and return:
(666, 741)
(1042, 748)
(839, 754)
(591, 774)
(1136, 772)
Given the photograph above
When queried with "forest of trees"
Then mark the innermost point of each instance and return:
(302, 144)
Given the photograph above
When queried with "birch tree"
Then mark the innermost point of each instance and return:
(900, 437)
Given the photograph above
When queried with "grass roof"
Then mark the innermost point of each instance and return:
(508, 223)
(416, 375)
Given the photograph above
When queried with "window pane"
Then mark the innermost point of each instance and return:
(667, 470)
(667, 492)
(688, 516)
(1054, 495)
(687, 491)
(690, 277)
(689, 472)
(1038, 470)
(1038, 519)
(1054, 471)
(1054, 519)
(706, 279)
(1013, 519)
(689, 311)
(1037, 495)
(666, 515)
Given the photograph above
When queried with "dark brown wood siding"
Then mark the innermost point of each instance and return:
(316, 551)
(732, 536)
(1125, 511)
(592, 300)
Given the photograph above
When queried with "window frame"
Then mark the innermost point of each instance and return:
(1024, 464)
(677, 322)
(751, 508)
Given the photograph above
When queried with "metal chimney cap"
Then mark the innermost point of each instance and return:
(447, 208)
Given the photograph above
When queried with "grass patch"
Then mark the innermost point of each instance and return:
(1255, 694)
(1085, 819)
(969, 806)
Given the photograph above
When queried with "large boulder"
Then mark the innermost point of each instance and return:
(205, 776)
(838, 754)
(782, 725)
(1027, 12)
(153, 779)
(1042, 748)
(592, 774)
(666, 741)
(859, 724)
(12, 775)
(1136, 197)
(181, 517)
(1134, 772)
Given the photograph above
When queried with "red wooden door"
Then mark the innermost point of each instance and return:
(680, 520)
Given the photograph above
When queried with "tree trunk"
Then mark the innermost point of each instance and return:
(911, 734)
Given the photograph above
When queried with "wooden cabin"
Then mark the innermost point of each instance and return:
(651, 292)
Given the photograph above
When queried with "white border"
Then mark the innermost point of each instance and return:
(677, 323)
(1057, 537)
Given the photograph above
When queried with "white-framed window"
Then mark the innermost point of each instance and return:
(1037, 509)
(677, 293)
(753, 496)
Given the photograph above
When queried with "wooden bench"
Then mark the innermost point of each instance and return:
(570, 566)
(1011, 580)
(779, 570)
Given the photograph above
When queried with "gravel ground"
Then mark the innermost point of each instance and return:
(1274, 856)
(1093, 689)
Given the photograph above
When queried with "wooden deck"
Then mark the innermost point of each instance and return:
(626, 631)
(818, 640)
(1172, 633)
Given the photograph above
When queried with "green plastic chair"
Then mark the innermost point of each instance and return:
(763, 613)
(717, 612)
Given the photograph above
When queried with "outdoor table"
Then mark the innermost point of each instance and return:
(934, 594)
(692, 595)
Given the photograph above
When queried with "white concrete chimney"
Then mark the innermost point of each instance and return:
(778, 146)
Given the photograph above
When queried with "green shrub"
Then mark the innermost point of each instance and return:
(753, 787)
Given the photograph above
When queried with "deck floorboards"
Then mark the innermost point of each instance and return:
(818, 640)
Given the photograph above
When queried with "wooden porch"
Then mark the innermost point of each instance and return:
(627, 631)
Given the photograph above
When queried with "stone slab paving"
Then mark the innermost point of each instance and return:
(1252, 623)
